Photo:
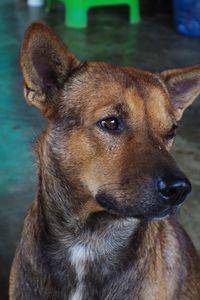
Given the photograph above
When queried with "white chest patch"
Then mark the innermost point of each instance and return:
(79, 255)
(94, 246)
(77, 295)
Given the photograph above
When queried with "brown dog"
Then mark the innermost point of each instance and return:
(104, 172)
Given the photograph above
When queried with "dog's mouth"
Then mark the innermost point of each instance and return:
(145, 211)
(166, 213)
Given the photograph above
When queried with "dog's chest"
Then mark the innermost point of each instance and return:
(95, 258)
(81, 256)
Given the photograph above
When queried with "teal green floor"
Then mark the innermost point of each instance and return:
(152, 45)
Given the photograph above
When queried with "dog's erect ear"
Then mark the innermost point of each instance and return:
(46, 64)
(183, 86)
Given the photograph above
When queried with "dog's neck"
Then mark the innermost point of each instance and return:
(101, 234)
(97, 248)
(60, 203)
(83, 257)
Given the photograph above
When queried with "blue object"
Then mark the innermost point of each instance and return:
(187, 16)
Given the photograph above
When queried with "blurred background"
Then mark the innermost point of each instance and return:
(159, 35)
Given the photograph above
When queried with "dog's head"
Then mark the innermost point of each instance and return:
(110, 129)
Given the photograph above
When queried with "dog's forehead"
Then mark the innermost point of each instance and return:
(100, 88)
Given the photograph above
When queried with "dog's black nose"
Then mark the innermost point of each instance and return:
(173, 190)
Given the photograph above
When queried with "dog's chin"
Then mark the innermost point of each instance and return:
(167, 213)
(151, 214)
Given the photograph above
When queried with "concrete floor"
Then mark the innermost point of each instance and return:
(153, 45)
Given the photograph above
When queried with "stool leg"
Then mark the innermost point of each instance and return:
(134, 12)
(76, 15)
(48, 5)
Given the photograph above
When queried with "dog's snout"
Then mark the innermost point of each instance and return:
(173, 190)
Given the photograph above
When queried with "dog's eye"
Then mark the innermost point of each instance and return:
(171, 134)
(111, 124)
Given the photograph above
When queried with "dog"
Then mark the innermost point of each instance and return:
(102, 225)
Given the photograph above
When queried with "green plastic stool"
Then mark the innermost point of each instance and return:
(76, 11)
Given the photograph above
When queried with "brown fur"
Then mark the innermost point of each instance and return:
(88, 234)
